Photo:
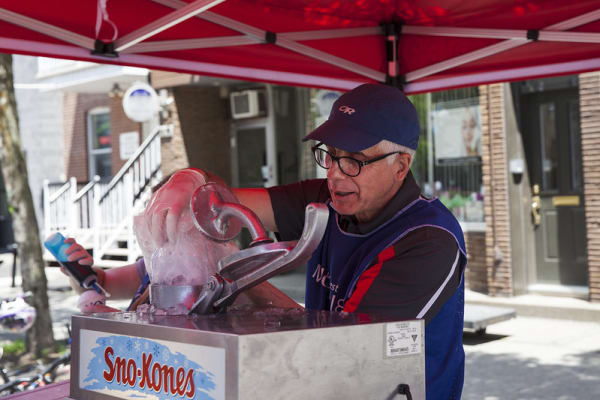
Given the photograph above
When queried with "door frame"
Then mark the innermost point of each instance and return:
(534, 164)
(268, 123)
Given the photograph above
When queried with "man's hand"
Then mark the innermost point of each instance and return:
(163, 214)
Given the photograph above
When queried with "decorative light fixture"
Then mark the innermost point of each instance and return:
(116, 91)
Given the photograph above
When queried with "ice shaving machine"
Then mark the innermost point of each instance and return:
(216, 353)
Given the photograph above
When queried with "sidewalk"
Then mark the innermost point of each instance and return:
(530, 358)
(532, 305)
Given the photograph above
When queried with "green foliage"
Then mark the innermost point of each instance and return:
(14, 347)
(419, 166)
(61, 347)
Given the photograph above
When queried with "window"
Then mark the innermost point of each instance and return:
(448, 161)
(99, 143)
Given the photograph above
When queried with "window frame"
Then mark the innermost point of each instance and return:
(92, 153)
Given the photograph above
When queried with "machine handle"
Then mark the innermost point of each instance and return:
(315, 223)
(225, 210)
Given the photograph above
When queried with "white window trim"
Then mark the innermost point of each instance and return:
(91, 151)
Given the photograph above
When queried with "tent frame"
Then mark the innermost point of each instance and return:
(132, 46)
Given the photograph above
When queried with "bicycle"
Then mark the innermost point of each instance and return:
(17, 316)
(43, 378)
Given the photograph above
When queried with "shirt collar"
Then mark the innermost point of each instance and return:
(408, 192)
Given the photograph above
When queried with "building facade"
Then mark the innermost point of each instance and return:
(515, 162)
(540, 171)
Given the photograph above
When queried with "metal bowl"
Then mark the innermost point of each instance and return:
(174, 297)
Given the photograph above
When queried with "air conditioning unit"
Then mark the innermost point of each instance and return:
(247, 104)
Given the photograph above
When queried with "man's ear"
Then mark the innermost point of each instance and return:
(402, 166)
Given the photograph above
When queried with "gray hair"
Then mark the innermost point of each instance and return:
(385, 146)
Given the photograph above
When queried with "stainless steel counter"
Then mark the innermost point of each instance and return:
(246, 354)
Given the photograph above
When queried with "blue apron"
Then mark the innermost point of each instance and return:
(336, 266)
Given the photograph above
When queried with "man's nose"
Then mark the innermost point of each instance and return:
(334, 171)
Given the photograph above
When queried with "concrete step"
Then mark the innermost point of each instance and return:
(534, 305)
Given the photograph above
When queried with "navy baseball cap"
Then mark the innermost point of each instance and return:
(366, 115)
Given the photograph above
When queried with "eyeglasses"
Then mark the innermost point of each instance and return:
(348, 165)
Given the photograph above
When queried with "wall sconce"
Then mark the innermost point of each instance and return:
(116, 91)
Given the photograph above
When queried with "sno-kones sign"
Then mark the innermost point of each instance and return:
(128, 367)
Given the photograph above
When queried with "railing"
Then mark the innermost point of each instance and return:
(125, 196)
(102, 213)
(70, 207)
(83, 205)
(58, 215)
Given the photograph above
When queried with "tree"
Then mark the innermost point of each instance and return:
(14, 170)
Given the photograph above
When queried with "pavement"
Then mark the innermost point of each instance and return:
(531, 358)
(550, 351)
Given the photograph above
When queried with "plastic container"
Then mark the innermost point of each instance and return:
(83, 274)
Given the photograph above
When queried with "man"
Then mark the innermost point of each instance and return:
(386, 249)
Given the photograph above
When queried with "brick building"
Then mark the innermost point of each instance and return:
(88, 150)
(539, 184)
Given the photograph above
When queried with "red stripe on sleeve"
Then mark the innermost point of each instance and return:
(366, 280)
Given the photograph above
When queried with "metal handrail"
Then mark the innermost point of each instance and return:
(59, 192)
(113, 182)
(120, 200)
(105, 211)
(86, 188)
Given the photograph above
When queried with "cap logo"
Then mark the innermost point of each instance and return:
(347, 110)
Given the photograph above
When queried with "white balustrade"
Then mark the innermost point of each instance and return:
(102, 213)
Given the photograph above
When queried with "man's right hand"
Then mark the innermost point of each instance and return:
(163, 216)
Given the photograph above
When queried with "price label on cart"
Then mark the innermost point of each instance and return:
(403, 338)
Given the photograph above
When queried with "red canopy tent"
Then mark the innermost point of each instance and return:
(425, 44)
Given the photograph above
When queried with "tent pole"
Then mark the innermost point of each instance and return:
(170, 45)
(161, 24)
(392, 33)
(463, 59)
(498, 47)
(225, 41)
(533, 72)
(46, 29)
(277, 40)
(185, 44)
(544, 35)
(284, 42)
(332, 33)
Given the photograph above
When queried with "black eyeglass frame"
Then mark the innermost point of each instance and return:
(360, 163)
